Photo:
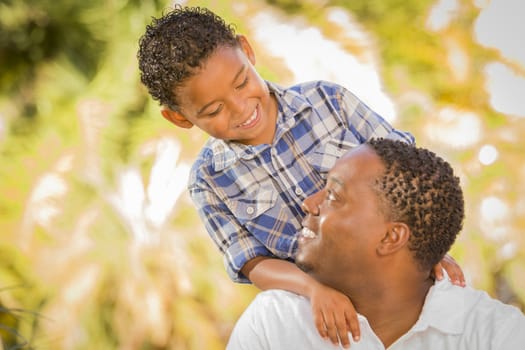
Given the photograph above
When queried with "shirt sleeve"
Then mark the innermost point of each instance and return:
(365, 123)
(236, 243)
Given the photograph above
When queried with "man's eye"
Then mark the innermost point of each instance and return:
(330, 196)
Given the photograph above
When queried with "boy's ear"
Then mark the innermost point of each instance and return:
(246, 48)
(395, 238)
(175, 118)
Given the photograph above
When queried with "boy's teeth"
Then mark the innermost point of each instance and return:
(251, 119)
(306, 232)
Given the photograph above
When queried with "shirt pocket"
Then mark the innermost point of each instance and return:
(323, 158)
(252, 205)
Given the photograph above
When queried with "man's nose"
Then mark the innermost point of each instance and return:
(311, 205)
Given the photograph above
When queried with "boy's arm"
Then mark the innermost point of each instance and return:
(235, 243)
(333, 312)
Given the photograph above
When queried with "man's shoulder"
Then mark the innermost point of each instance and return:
(480, 302)
(275, 296)
(271, 309)
(489, 320)
(471, 300)
(274, 301)
(482, 306)
(471, 311)
(276, 319)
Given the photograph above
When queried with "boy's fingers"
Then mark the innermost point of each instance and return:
(342, 330)
(353, 323)
(462, 281)
(438, 272)
(331, 329)
(454, 270)
(320, 325)
(460, 278)
(454, 276)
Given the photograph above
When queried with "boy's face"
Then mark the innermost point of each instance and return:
(227, 99)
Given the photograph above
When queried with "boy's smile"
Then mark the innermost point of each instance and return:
(227, 98)
(254, 118)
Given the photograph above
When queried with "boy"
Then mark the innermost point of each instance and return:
(269, 149)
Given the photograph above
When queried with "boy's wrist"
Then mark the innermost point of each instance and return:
(311, 286)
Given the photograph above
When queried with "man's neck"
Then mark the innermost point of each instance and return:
(394, 309)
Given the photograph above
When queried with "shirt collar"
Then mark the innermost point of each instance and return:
(444, 309)
(290, 104)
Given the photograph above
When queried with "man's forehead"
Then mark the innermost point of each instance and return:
(360, 162)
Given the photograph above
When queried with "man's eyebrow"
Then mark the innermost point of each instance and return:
(233, 81)
(336, 180)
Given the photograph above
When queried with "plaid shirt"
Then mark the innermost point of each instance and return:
(250, 197)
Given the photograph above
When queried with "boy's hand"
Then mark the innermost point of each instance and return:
(453, 270)
(334, 315)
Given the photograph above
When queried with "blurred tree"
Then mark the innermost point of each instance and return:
(93, 255)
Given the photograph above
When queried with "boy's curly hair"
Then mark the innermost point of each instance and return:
(420, 189)
(176, 45)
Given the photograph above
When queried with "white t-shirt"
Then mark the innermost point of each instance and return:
(452, 318)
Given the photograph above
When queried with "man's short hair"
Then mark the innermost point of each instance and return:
(420, 189)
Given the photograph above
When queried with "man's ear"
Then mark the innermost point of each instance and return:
(395, 238)
(246, 48)
(175, 118)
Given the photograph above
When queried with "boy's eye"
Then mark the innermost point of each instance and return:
(243, 84)
(215, 112)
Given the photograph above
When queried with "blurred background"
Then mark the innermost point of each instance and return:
(100, 245)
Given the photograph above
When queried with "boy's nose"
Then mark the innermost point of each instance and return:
(238, 106)
(311, 204)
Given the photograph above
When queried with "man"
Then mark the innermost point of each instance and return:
(388, 213)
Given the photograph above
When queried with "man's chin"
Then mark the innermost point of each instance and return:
(301, 264)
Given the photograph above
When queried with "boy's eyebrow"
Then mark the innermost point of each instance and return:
(233, 81)
(238, 73)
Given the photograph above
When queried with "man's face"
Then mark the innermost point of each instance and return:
(341, 240)
(228, 100)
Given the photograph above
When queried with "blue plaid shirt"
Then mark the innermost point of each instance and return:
(250, 197)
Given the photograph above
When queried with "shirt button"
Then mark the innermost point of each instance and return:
(298, 191)
(250, 210)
